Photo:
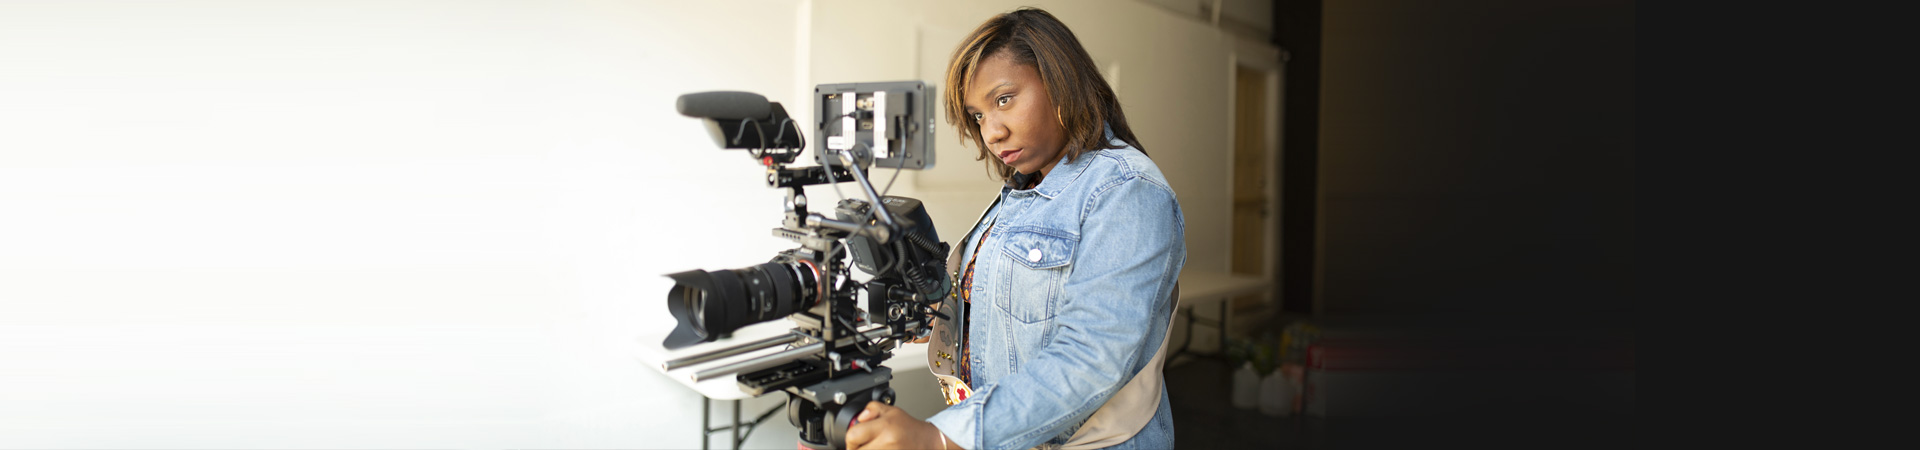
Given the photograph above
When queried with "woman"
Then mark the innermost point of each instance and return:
(1067, 281)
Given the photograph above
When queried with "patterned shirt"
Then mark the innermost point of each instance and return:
(965, 369)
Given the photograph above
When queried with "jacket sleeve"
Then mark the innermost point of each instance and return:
(1110, 321)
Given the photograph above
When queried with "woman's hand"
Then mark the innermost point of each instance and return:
(882, 426)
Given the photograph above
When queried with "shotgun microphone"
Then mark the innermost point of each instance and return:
(742, 120)
(725, 105)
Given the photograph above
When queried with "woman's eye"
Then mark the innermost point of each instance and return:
(1004, 100)
(976, 117)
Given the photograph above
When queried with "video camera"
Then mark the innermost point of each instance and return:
(831, 367)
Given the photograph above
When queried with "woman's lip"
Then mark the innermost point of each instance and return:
(1005, 154)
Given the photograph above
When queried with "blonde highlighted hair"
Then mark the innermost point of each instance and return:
(1081, 96)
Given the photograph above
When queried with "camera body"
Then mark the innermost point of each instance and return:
(831, 366)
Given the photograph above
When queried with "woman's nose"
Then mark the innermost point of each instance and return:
(993, 131)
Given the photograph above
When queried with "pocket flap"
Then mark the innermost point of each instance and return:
(1039, 248)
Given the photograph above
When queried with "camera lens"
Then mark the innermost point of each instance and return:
(708, 305)
(698, 299)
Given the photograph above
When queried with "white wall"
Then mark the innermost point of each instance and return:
(324, 224)
(327, 224)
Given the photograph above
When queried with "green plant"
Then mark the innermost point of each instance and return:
(1238, 352)
(1265, 357)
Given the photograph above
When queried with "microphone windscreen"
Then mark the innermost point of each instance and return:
(724, 105)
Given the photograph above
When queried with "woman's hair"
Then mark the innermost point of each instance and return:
(1080, 95)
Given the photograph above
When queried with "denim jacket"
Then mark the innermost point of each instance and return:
(1071, 297)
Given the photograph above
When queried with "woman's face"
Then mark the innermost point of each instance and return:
(1016, 116)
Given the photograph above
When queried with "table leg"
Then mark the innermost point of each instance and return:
(706, 421)
(1219, 324)
(1223, 325)
(736, 425)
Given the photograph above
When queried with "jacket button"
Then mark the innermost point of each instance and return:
(1033, 255)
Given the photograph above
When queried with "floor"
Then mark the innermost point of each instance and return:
(1204, 418)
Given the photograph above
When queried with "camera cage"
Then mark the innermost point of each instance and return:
(831, 366)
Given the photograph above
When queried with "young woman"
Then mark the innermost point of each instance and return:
(1066, 283)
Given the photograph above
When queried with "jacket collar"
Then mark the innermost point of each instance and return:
(1064, 174)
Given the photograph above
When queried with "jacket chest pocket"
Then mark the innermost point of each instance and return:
(1038, 263)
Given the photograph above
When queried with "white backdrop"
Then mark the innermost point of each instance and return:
(327, 224)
